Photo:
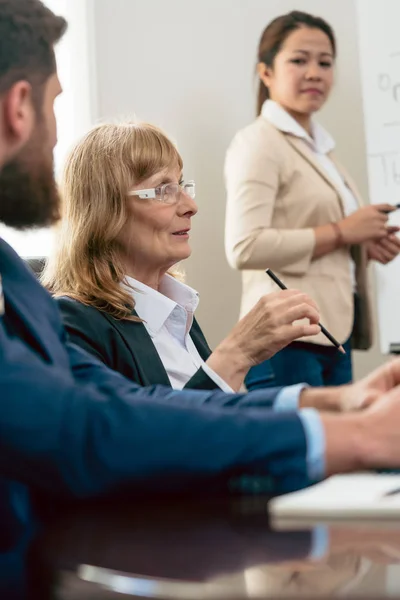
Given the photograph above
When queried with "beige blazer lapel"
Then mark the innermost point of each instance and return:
(347, 179)
(302, 148)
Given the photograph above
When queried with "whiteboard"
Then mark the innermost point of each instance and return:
(379, 47)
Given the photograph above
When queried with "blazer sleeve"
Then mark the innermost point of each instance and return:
(201, 381)
(80, 429)
(253, 170)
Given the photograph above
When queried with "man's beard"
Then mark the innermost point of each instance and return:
(28, 191)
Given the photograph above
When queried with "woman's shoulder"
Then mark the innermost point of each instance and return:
(75, 309)
(86, 325)
(258, 136)
(70, 302)
(88, 328)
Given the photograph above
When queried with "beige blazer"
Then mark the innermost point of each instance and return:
(276, 194)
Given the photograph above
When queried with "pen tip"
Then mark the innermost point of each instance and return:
(342, 350)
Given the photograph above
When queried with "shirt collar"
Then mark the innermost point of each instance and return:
(320, 141)
(154, 306)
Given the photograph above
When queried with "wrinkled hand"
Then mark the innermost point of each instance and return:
(384, 250)
(364, 393)
(271, 325)
(267, 328)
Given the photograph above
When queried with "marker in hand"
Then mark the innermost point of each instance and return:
(387, 212)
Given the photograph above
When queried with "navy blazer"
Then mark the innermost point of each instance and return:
(71, 427)
(126, 346)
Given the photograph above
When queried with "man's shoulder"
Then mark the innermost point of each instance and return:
(15, 268)
(27, 304)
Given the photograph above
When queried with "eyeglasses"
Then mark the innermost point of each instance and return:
(168, 193)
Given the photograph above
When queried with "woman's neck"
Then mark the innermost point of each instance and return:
(149, 276)
(150, 279)
(303, 120)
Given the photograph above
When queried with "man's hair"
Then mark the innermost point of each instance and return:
(28, 33)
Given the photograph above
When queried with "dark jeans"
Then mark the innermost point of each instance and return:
(301, 362)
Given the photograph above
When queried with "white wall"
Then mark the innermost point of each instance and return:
(188, 66)
(75, 109)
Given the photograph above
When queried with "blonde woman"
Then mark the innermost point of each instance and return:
(127, 217)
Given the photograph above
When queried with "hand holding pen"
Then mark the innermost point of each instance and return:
(366, 224)
(392, 208)
(326, 333)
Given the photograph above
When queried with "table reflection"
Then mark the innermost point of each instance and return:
(212, 550)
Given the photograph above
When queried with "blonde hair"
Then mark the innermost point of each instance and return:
(99, 172)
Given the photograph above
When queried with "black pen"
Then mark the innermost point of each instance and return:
(392, 492)
(323, 330)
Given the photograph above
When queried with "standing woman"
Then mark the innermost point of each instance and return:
(293, 208)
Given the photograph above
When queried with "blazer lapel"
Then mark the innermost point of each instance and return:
(308, 155)
(200, 341)
(347, 179)
(144, 354)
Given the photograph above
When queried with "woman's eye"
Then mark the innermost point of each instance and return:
(298, 61)
(325, 65)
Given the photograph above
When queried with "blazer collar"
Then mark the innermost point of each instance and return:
(200, 341)
(138, 341)
(155, 307)
(144, 354)
(321, 141)
(299, 139)
(309, 156)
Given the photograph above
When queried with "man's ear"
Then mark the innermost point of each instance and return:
(18, 114)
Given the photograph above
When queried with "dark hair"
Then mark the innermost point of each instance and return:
(274, 36)
(28, 33)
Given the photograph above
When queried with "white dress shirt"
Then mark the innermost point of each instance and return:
(321, 143)
(168, 317)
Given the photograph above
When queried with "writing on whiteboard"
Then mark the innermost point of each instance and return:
(386, 165)
(384, 148)
(379, 46)
(389, 84)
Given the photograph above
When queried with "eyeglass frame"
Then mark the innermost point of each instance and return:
(151, 193)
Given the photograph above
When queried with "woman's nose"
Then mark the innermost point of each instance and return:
(187, 205)
(313, 71)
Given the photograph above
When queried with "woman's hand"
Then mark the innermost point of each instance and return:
(266, 329)
(384, 250)
(366, 224)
